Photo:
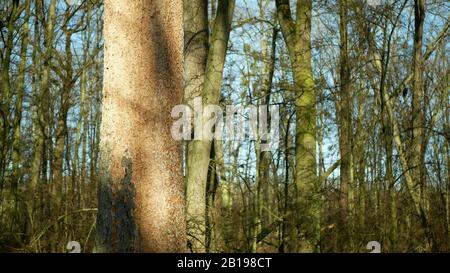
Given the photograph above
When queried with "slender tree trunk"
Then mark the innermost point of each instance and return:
(226, 196)
(263, 157)
(297, 35)
(82, 123)
(16, 152)
(211, 204)
(6, 85)
(36, 130)
(417, 112)
(221, 180)
(447, 153)
(61, 129)
(308, 188)
(199, 150)
(345, 130)
(41, 100)
(196, 35)
(284, 226)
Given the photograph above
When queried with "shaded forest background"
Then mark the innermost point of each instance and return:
(377, 93)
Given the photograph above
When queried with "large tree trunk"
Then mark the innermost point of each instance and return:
(140, 195)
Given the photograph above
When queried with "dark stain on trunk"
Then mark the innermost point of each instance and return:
(116, 228)
(124, 207)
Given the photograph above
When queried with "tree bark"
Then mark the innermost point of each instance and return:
(140, 193)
